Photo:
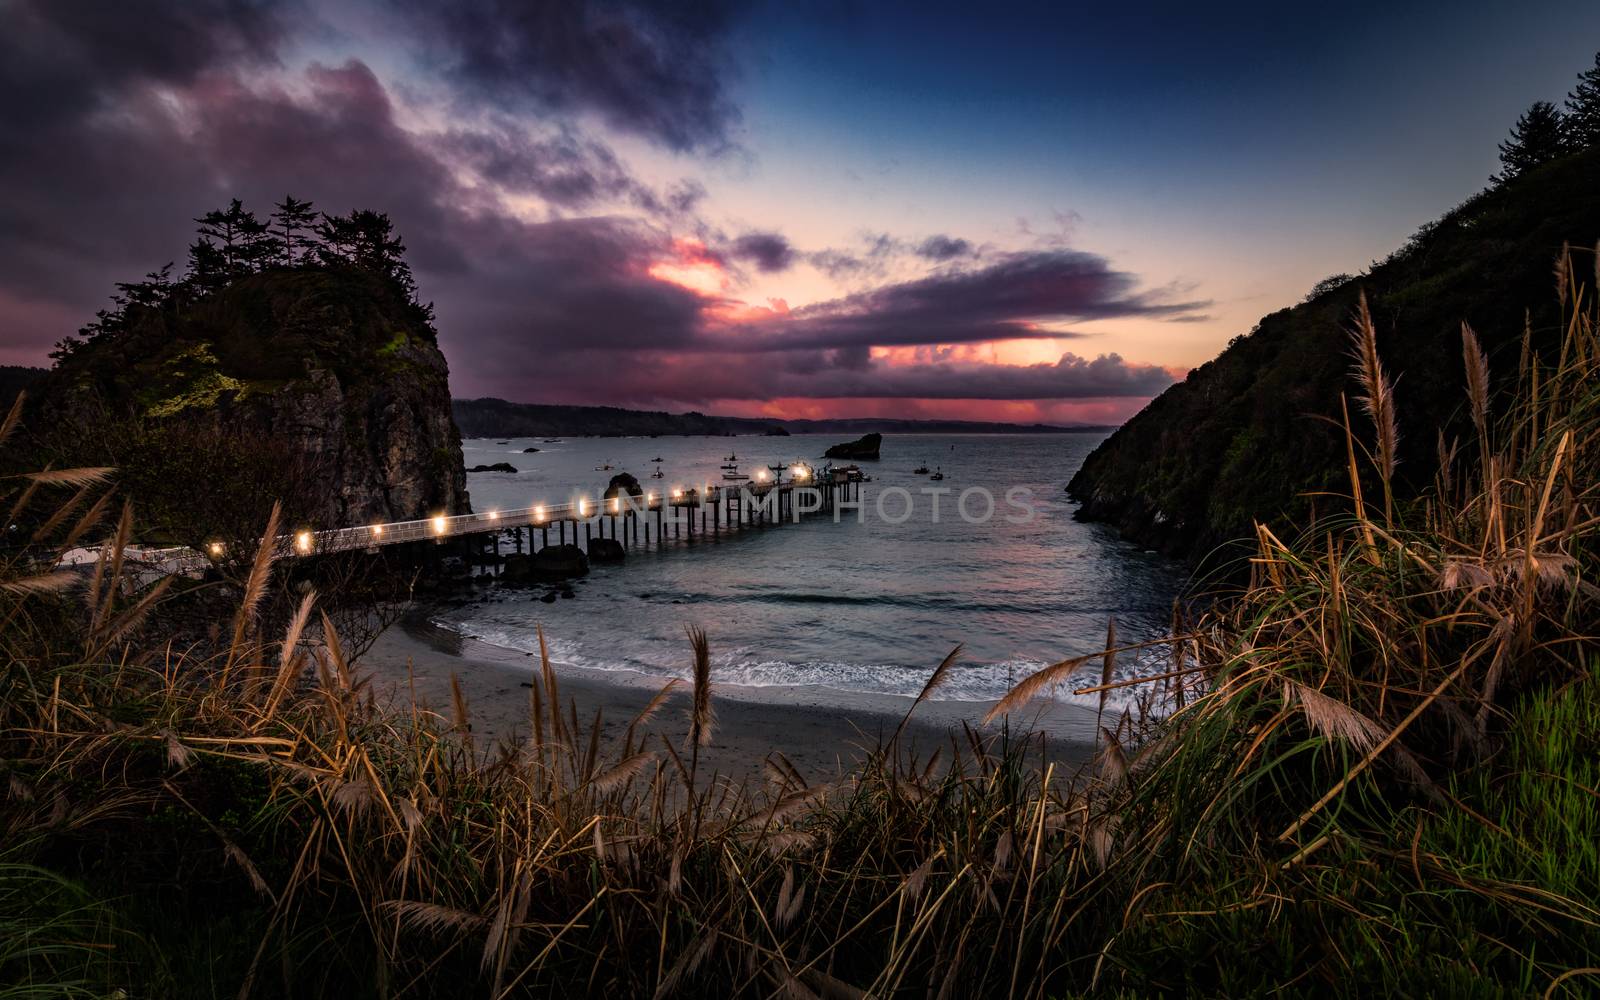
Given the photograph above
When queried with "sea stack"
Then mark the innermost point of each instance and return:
(864, 447)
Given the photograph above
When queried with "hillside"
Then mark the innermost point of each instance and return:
(14, 379)
(500, 418)
(1245, 437)
(323, 385)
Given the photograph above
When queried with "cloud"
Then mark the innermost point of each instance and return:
(942, 248)
(561, 301)
(769, 252)
(656, 68)
(682, 379)
(1010, 298)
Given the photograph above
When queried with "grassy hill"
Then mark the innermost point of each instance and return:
(1248, 436)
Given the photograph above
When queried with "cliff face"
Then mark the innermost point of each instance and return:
(1254, 434)
(334, 366)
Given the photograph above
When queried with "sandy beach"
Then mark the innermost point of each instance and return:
(822, 732)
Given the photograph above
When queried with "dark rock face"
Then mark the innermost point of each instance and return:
(496, 467)
(606, 550)
(1254, 435)
(335, 363)
(621, 483)
(864, 447)
(559, 562)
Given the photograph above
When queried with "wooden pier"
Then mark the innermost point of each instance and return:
(634, 521)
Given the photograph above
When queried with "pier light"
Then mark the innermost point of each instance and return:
(676, 494)
(377, 531)
(215, 549)
(761, 474)
(438, 524)
(613, 505)
(302, 542)
(583, 508)
(538, 513)
(649, 498)
(494, 515)
(799, 471)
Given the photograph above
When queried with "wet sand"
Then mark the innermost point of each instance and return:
(822, 732)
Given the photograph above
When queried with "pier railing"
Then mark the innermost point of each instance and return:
(729, 507)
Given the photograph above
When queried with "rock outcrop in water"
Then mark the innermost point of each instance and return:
(496, 467)
(623, 482)
(336, 365)
(865, 447)
(1254, 435)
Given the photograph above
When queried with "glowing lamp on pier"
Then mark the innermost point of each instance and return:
(676, 494)
(538, 514)
(215, 549)
(799, 471)
(302, 542)
(494, 515)
(649, 498)
(761, 474)
(583, 508)
(613, 505)
(377, 531)
(438, 524)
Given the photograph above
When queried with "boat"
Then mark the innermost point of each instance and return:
(730, 472)
(731, 458)
(939, 474)
(657, 459)
(607, 467)
(921, 470)
(658, 474)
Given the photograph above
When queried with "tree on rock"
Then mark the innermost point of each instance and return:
(1538, 138)
(243, 240)
(1583, 109)
(295, 221)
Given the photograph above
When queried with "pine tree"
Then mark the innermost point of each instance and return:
(367, 239)
(243, 240)
(296, 221)
(1583, 110)
(1538, 138)
(208, 266)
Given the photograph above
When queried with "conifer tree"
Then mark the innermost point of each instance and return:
(296, 222)
(1536, 139)
(1583, 110)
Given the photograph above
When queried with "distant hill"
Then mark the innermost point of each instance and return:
(1244, 438)
(481, 418)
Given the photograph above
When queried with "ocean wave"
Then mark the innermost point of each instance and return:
(742, 667)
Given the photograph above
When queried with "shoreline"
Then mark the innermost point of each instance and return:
(823, 732)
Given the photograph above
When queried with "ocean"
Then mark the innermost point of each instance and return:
(862, 605)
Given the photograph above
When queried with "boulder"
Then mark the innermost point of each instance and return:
(517, 568)
(558, 562)
(606, 550)
(496, 467)
(864, 447)
(623, 482)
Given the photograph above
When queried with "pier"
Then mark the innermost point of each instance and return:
(648, 520)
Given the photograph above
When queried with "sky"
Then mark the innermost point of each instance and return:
(1010, 212)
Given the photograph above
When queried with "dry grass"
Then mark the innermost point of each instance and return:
(1327, 808)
